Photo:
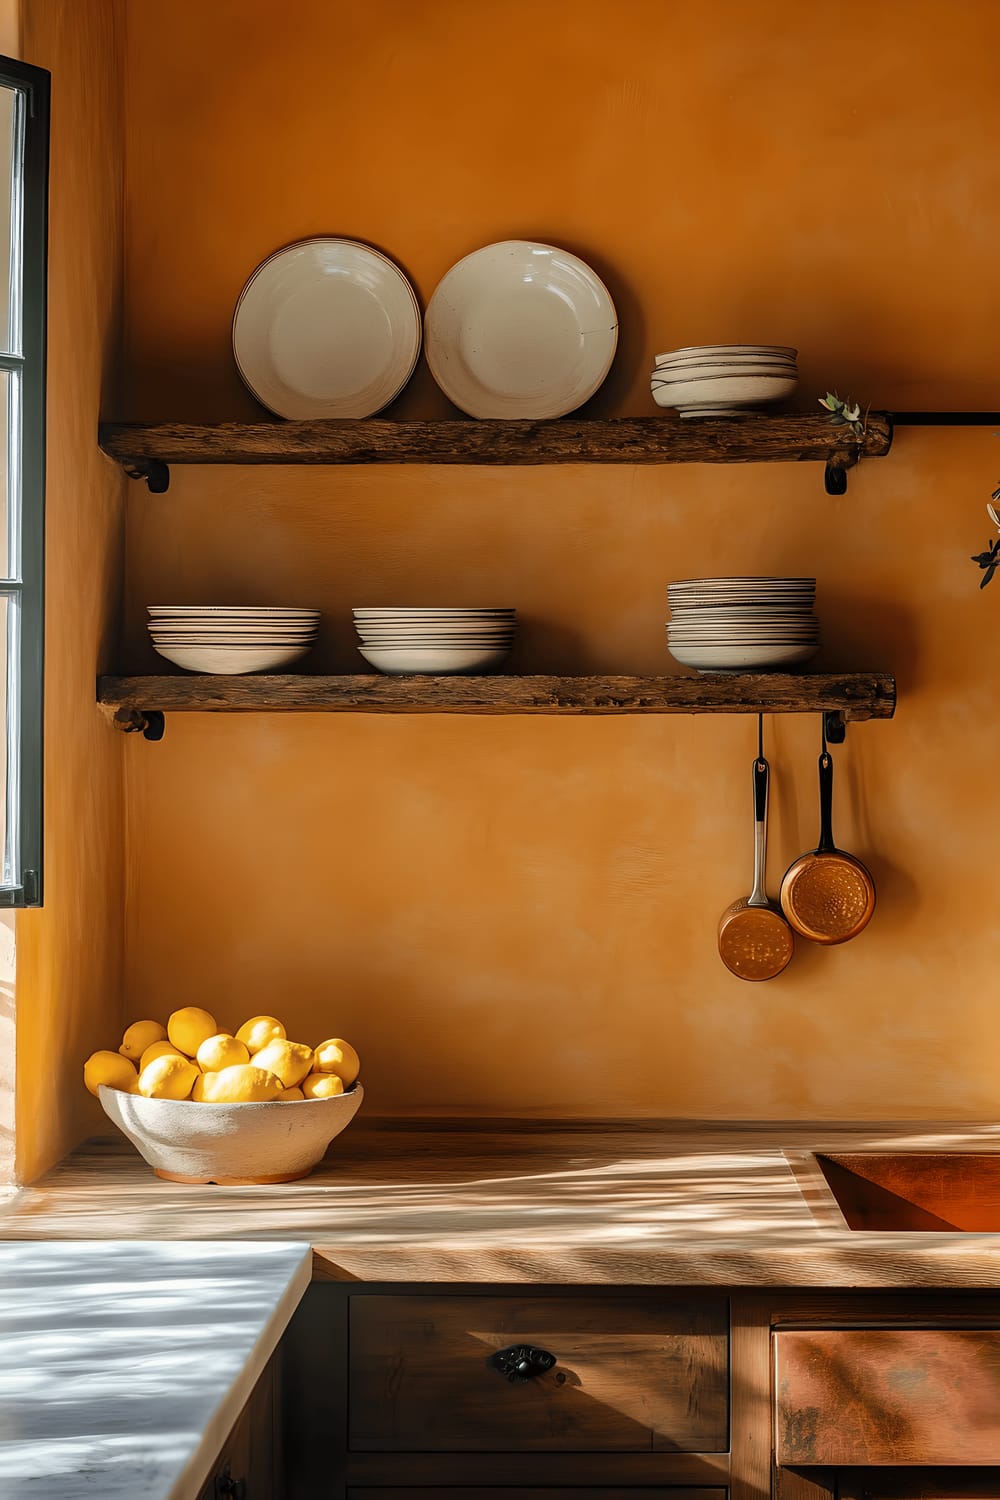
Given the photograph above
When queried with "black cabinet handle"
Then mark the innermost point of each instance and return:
(521, 1361)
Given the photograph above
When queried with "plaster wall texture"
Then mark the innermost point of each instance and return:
(70, 953)
(518, 916)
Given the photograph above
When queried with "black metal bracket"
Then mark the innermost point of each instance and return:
(153, 470)
(835, 475)
(149, 722)
(834, 726)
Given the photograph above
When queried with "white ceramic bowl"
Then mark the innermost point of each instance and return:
(231, 660)
(741, 362)
(720, 393)
(434, 660)
(720, 370)
(712, 350)
(230, 1144)
(738, 658)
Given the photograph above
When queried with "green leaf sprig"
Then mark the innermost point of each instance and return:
(845, 414)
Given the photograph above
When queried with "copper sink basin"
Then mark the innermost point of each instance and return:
(926, 1191)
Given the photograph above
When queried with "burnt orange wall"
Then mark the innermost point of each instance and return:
(518, 915)
(69, 954)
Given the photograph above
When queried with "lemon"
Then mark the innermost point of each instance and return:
(289, 1061)
(292, 1093)
(221, 1051)
(338, 1056)
(110, 1068)
(322, 1086)
(157, 1049)
(168, 1077)
(240, 1084)
(139, 1036)
(188, 1028)
(200, 1084)
(260, 1030)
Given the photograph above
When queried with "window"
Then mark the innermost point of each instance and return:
(24, 151)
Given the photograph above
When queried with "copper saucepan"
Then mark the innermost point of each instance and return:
(755, 941)
(827, 896)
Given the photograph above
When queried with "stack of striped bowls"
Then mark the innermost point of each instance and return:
(742, 624)
(436, 640)
(714, 380)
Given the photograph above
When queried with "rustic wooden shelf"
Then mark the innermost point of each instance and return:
(146, 451)
(130, 702)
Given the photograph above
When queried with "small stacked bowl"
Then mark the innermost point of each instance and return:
(742, 624)
(711, 380)
(231, 638)
(440, 641)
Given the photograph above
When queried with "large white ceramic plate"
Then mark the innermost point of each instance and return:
(520, 329)
(326, 328)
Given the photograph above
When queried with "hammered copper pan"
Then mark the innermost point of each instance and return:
(828, 896)
(755, 941)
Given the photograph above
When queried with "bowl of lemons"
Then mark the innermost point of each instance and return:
(205, 1105)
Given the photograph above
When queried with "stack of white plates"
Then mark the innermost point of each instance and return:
(736, 624)
(435, 640)
(231, 638)
(714, 379)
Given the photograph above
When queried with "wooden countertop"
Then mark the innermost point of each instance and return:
(692, 1203)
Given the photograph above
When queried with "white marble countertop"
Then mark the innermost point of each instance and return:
(125, 1364)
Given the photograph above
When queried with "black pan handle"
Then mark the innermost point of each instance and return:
(758, 896)
(760, 780)
(826, 844)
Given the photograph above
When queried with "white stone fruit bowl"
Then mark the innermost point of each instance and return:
(231, 1144)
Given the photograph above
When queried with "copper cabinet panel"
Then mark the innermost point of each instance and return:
(874, 1396)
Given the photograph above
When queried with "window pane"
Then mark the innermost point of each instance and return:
(10, 436)
(11, 163)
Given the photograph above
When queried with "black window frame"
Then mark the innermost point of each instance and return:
(21, 875)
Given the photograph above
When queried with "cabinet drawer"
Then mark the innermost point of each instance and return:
(463, 1492)
(918, 1484)
(869, 1396)
(631, 1374)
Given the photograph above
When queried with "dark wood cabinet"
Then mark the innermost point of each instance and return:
(679, 1394)
(919, 1484)
(248, 1466)
(491, 1492)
